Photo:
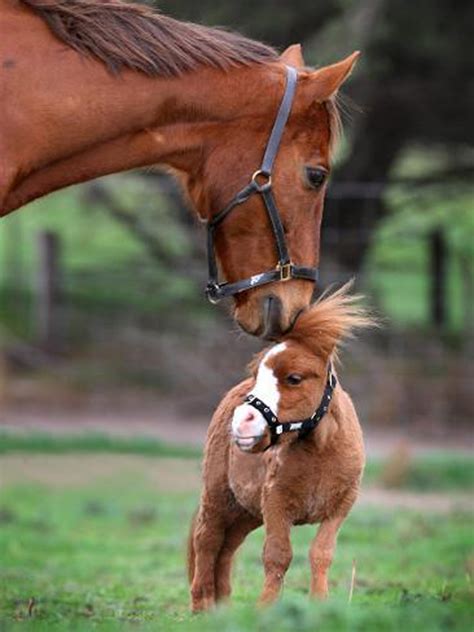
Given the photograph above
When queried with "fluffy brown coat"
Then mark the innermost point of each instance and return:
(314, 480)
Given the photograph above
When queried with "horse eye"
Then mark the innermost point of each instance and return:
(293, 379)
(315, 176)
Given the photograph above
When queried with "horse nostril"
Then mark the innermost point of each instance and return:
(246, 425)
(249, 416)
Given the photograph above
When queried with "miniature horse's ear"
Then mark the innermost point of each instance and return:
(293, 56)
(325, 82)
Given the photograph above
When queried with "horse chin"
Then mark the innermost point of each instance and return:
(247, 444)
(252, 445)
(261, 318)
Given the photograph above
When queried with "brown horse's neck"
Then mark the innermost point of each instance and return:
(79, 122)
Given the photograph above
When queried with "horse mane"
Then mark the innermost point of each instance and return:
(125, 35)
(334, 318)
(335, 123)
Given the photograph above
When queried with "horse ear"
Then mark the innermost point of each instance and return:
(326, 81)
(293, 56)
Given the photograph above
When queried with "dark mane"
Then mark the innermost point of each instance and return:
(126, 35)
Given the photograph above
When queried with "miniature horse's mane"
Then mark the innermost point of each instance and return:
(325, 325)
(126, 35)
(332, 319)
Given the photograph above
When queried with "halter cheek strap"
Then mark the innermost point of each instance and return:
(303, 426)
(261, 184)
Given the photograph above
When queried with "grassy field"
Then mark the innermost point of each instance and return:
(83, 549)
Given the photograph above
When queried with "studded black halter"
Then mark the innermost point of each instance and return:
(261, 183)
(303, 426)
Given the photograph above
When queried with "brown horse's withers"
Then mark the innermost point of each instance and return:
(90, 88)
(299, 480)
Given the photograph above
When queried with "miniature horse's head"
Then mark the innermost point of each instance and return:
(231, 153)
(290, 377)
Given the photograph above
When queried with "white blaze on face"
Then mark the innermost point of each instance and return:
(248, 424)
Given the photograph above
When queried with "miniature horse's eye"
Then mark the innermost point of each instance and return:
(293, 379)
(315, 176)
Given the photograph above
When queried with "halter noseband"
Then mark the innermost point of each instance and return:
(304, 426)
(261, 183)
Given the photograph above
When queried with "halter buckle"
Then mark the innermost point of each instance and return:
(285, 271)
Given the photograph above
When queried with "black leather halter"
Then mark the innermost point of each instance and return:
(260, 183)
(303, 426)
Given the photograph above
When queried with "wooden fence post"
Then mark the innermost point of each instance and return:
(48, 313)
(438, 260)
(3, 379)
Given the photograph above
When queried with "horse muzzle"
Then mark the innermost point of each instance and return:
(269, 315)
(248, 427)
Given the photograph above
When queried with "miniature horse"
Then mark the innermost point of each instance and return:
(310, 474)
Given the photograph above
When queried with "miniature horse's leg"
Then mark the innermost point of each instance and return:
(234, 536)
(208, 539)
(321, 554)
(277, 552)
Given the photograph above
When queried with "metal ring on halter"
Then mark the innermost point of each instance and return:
(266, 185)
(212, 291)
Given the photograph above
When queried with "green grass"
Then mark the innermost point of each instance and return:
(398, 261)
(112, 554)
(43, 443)
(435, 472)
(90, 239)
(401, 271)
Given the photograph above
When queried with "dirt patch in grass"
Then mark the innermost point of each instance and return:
(379, 497)
(77, 470)
(180, 475)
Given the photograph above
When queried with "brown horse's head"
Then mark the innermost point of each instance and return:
(228, 156)
(199, 100)
(290, 377)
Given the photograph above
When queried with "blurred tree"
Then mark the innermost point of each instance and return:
(165, 229)
(278, 22)
(416, 88)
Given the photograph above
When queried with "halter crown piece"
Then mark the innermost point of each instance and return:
(303, 426)
(260, 183)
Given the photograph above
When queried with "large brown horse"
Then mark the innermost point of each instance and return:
(91, 87)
